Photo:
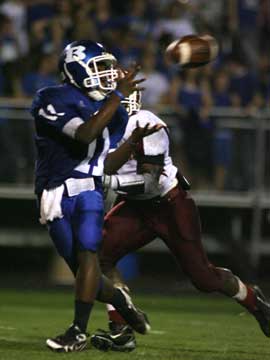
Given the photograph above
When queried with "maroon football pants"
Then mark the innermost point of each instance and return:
(132, 224)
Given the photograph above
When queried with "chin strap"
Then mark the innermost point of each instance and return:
(97, 95)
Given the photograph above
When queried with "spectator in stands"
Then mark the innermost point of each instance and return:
(177, 21)
(63, 23)
(86, 17)
(243, 24)
(44, 75)
(140, 18)
(17, 12)
(243, 86)
(196, 103)
(222, 150)
(9, 56)
(103, 17)
(244, 82)
(42, 37)
(124, 45)
(208, 15)
(156, 84)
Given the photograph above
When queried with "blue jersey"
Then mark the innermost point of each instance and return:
(58, 112)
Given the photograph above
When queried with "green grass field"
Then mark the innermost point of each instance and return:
(185, 328)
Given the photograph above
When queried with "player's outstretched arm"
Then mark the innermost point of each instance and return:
(121, 155)
(89, 130)
(135, 184)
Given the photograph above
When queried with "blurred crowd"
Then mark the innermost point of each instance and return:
(33, 33)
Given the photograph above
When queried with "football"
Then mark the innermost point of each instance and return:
(192, 51)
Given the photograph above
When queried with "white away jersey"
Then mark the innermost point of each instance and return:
(154, 144)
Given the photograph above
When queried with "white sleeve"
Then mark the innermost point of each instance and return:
(156, 144)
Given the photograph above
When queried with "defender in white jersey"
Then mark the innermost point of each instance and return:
(155, 149)
(153, 202)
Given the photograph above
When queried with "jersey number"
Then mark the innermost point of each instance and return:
(84, 166)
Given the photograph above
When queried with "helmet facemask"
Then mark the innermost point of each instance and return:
(133, 102)
(102, 75)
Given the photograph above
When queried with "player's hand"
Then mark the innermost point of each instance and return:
(140, 132)
(127, 83)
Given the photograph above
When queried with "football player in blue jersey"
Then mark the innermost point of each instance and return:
(78, 123)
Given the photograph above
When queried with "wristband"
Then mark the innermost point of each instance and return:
(119, 94)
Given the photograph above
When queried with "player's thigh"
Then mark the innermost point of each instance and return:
(183, 236)
(60, 231)
(124, 232)
(87, 220)
(184, 241)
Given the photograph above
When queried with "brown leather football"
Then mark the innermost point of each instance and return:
(192, 51)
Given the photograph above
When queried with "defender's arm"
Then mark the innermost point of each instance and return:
(135, 184)
(121, 155)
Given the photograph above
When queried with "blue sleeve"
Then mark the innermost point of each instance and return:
(55, 113)
(117, 133)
